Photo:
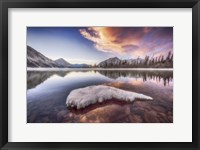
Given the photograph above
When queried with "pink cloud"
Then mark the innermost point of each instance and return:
(135, 41)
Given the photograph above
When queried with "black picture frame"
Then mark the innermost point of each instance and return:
(4, 87)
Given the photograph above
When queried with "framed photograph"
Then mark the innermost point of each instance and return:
(114, 74)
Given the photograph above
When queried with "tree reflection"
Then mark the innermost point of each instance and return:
(35, 78)
(166, 76)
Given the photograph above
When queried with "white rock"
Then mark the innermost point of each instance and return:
(82, 97)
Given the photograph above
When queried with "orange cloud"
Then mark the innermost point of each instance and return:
(135, 41)
(103, 40)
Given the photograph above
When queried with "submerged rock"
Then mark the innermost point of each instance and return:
(82, 97)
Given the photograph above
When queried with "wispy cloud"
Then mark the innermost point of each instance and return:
(134, 41)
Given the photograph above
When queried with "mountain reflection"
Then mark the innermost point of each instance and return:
(35, 78)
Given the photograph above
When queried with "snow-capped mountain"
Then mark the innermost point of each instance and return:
(116, 62)
(111, 62)
(36, 59)
(63, 63)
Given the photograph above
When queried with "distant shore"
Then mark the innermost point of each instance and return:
(90, 69)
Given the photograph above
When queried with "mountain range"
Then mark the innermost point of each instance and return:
(36, 59)
(116, 62)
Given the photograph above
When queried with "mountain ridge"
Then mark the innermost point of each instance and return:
(116, 62)
(62, 62)
(37, 59)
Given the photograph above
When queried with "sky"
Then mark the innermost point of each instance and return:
(94, 44)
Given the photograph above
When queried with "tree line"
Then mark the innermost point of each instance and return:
(147, 62)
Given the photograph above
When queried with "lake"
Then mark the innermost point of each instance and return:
(47, 92)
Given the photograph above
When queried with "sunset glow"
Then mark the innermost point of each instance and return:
(93, 44)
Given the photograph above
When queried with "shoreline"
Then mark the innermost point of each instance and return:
(91, 69)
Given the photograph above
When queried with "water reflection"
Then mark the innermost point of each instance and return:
(47, 92)
(141, 111)
(35, 78)
(166, 76)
